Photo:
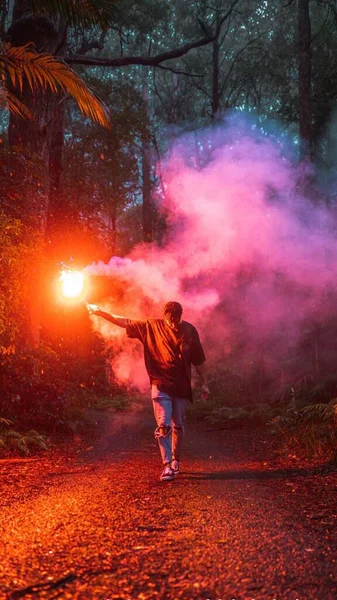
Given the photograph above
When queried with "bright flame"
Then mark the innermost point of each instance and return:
(72, 283)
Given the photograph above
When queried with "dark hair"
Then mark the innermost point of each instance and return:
(173, 310)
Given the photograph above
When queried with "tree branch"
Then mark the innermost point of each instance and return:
(151, 61)
(225, 17)
(178, 72)
(123, 61)
(93, 44)
(236, 58)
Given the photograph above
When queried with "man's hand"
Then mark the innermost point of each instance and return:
(205, 391)
(92, 308)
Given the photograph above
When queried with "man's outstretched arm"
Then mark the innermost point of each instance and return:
(115, 319)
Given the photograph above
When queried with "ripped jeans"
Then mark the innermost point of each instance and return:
(169, 412)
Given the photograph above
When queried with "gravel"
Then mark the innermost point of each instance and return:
(238, 523)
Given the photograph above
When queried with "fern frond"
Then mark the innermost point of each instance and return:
(36, 439)
(11, 434)
(312, 427)
(318, 412)
(32, 438)
(22, 446)
(42, 71)
(13, 104)
(6, 422)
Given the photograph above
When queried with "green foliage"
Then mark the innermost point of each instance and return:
(312, 429)
(240, 416)
(15, 441)
(32, 386)
(112, 403)
(54, 390)
(19, 169)
(101, 175)
(138, 19)
(78, 14)
(19, 245)
(229, 385)
(306, 390)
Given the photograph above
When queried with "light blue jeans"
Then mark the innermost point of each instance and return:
(169, 412)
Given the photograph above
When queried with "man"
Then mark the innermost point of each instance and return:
(171, 346)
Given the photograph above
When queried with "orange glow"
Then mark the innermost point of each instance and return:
(72, 284)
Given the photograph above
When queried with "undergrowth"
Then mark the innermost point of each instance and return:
(300, 417)
(15, 441)
(311, 429)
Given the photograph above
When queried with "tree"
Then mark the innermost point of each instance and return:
(29, 72)
(305, 78)
(47, 30)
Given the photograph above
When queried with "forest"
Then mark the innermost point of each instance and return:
(169, 150)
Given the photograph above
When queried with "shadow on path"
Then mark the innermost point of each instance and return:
(256, 475)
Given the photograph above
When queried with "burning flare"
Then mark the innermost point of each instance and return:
(72, 283)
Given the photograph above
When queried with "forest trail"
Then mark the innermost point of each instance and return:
(235, 524)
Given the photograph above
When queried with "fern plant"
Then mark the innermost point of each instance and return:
(312, 428)
(22, 64)
(241, 415)
(23, 443)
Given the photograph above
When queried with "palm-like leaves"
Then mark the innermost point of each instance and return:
(41, 71)
(16, 107)
(83, 13)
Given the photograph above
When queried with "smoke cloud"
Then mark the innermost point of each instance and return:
(251, 259)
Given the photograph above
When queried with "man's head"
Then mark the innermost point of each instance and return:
(172, 314)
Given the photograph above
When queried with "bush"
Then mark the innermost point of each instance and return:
(228, 416)
(23, 443)
(51, 391)
(311, 429)
(20, 249)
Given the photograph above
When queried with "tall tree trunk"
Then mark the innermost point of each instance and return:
(35, 137)
(3, 16)
(113, 228)
(146, 190)
(146, 170)
(304, 79)
(56, 206)
(218, 7)
(215, 80)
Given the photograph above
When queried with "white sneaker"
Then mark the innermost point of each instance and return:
(167, 474)
(175, 466)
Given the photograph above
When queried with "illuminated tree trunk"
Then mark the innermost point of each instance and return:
(146, 191)
(146, 171)
(113, 228)
(56, 206)
(35, 137)
(305, 79)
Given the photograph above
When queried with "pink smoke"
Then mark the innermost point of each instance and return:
(245, 251)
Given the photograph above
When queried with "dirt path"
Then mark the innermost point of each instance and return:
(233, 525)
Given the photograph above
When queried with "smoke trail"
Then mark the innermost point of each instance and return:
(249, 257)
